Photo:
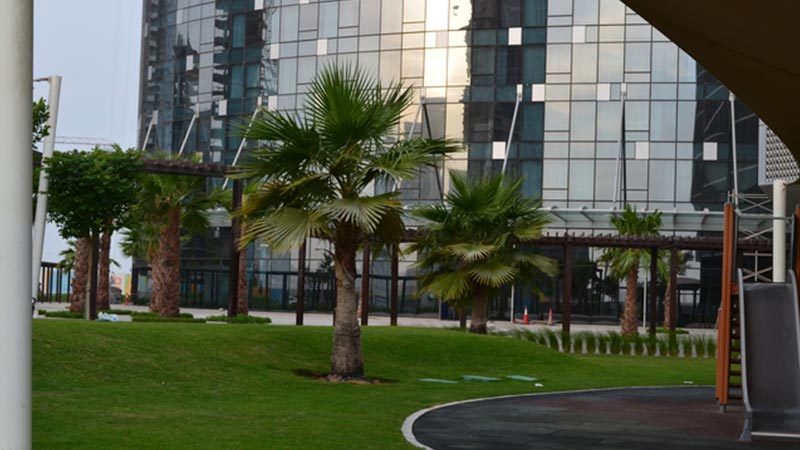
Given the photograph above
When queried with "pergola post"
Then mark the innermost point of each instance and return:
(365, 286)
(566, 288)
(653, 293)
(301, 285)
(673, 294)
(393, 286)
(236, 231)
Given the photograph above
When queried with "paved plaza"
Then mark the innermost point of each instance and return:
(673, 418)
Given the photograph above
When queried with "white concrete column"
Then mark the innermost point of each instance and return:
(41, 198)
(16, 75)
(779, 231)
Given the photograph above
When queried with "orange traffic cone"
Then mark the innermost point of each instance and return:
(525, 316)
(550, 317)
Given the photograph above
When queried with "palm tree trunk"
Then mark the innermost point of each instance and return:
(479, 313)
(81, 275)
(347, 360)
(668, 302)
(103, 303)
(630, 317)
(168, 268)
(158, 284)
(243, 306)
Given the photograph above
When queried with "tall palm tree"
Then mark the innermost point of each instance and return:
(168, 206)
(322, 174)
(467, 250)
(625, 262)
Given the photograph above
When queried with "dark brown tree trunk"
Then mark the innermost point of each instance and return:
(630, 317)
(80, 275)
(157, 283)
(169, 264)
(347, 360)
(243, 305)
(103, 277)
(462, 318)
(479, 313)
(668, 302)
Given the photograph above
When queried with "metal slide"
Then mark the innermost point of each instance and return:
(770, 324)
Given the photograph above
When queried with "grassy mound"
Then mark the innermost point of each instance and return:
(171, 385)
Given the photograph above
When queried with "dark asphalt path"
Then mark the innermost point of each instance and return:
(630, 419)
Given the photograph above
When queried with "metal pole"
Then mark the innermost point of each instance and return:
(511, 130)
(566, 307)
(732, 99)
(233, 269)
(416, 115)
(393, 286)
(41, 196)
(244, 140)
(16, 73)
(153, 122)
(653, 290)
(365, 286)
(188, 132)
(779, 231)
(301, 284)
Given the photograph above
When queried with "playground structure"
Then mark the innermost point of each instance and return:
(758, 335)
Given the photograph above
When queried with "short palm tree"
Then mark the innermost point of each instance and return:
(320, 175)
(167, 206)
(467, 250)
(625, 262)
(76, 258)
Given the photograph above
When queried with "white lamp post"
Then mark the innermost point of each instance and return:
(16, 73)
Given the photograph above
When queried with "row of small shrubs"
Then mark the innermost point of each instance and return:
(142, 316)
(240, 319)
(61, 314)
(612, 343)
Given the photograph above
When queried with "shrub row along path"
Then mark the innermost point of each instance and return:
(317, 319)
(629, 418)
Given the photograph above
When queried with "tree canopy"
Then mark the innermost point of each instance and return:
(467, 248)
(91, 190)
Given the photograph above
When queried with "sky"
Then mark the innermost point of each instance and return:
(95, 46)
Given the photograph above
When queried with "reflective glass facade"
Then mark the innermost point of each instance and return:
(570, 61)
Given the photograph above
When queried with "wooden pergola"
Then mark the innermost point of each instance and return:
(194, 169)
(565, 240)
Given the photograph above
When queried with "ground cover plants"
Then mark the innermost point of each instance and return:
(179, 386)
(680, 344)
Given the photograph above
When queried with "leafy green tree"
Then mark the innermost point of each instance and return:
(625, 262)
(90, 193)
(168, 206)
(466, 248)
(317, 176)
(40, 131)
(41, 114)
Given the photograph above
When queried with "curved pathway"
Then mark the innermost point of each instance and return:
(630, 418)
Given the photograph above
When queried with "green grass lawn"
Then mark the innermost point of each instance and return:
(193, 386)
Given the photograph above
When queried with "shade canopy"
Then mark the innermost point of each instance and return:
(751, 46)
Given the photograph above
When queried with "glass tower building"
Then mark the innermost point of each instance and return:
(556, 86)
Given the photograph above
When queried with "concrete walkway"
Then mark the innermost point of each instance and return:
(684, 418)
(316, 319)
